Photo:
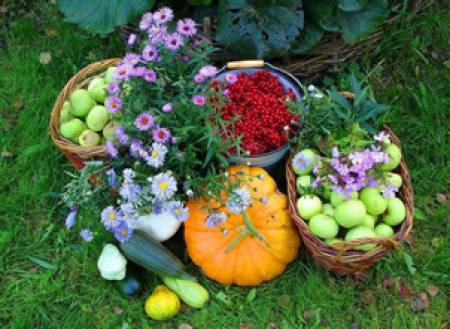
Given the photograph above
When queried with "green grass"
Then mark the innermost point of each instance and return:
(407, 70)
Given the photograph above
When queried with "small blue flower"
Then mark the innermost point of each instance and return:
(86, 235)
(216, 219)
(164, 186)
(112, 178)
(123, 232)
(71, 217)
(300, 161)
(130, 191)
(389, 191)
(178, 211)
(239, 200)
(110, 218)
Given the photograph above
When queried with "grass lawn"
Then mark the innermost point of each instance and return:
(409, 69)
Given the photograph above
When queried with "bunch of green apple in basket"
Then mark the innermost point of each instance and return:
(84, 119)
(344, 164)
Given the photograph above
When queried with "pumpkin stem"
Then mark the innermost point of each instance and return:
(237, 239)
(250, 227)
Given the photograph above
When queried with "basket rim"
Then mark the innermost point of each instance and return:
(79, 79)
(339, 257)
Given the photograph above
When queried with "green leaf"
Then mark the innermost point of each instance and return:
(331, 23)
(307, 39)
(251, 295)
(102, 16)
(409, 263)
(341, 100)
(356, 25)
(42, 263)
(252, 28)
(351, 5)
(318, 10)
(355, 86)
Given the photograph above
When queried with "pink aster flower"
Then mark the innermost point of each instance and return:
(150, 53)
(131, 39)
(186, 27)
(113, 104)
(161, 135)
(145, 22)
(208, 71)
(122, 72)
(199, 78)
(231, 78)
(167, 107)
(113, 88)
(144, 121)
(138, 71)
(199, 100)
(131, 59)
(173, 41)
(163, 15)
(157, 34)
(149, 76)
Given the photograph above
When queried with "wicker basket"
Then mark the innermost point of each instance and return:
(76, 153)
(341, 258)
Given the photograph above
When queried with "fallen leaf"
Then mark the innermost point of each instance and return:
(447, 64)
(432, 290)
(272, 325)
(42, 263)
(285, 301)
(32, 269)
(388, 282)
(6, 154)
(437, 242)
(409, 262)
(251, 295)
(18, 104)
(307, 314)
(184, 308)
(223, 298)
(245, 326)
(51, 33)
(117, 310)
(354, 325)
(185, 326)
(441, 198)
(405, 291)
(3, 9)
(368, 297)
(45, 57)
(410, 239)
(435, 55)
(324, 321)
(420, 303)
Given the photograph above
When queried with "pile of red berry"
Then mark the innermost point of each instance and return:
(260, 102)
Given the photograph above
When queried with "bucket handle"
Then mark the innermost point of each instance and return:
(245, 64)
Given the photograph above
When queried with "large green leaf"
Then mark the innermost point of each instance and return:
(253, 28)
(356, 25)
(351, 5)
(102, 16)
(318, 11)
(308, 38)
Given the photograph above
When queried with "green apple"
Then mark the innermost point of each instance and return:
(308, 206)
(306, 162)
(327, 209)
(368, 221)
(65, 114)
(333, 241)
(395, 156)
(97, 118)
(361, 232)
(89, 138)
(337, 198)
(97, 89)
(396, 211)
(109, 74)
(109, 129)
(384, 230)
(72, 128)
(374, 202)
(350, 213)
(323, 226)
(303, 182)
(393, 178)
(81, 103)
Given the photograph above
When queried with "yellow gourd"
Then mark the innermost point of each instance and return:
(162, 304)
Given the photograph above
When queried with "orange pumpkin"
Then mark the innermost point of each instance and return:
(244, 251)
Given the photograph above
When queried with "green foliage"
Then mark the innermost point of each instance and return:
(259, 29)
(102, 16)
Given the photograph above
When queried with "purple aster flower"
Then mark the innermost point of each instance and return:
(112, 178)
(145, 21)
(199, 78)
(71, 217)
(231, 77)
(173, 41)
(196, 42)
(178, 211)
(163, 15)
(379, 156)
(122, 232)
(167, 107)
(333, 179)
(356, 157)
(317, 182)
(131, 59)
(150, 53)
(110, 218)
(135, 147)
(239, 200)
(343, 169)
(113, 88)
(173, 140)
(86, 235)
(164, 186)
(185, 58)
(127, 213)
(199, 100)
(122, 72)
(157, 34)
(316, 170)
(300, 161)
(149, 76)
(144, 121)
(131, 39)
(389, 191)
(161, 135)
(186, 27)
(157, 155)
(113, 104)
(335, 163)
(111, 149)
(208, 71)
(372, 182)
(335, 152)
(128, 175)
(382, 137)
(130, 191)
(158, 207)
(121, 135)
(215, 219)
(226, 92)
(138, 71)
(347, 179)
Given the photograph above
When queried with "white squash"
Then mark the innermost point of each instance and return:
(111, 263)
(159, 227)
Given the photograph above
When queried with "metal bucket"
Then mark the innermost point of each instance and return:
(272, 159)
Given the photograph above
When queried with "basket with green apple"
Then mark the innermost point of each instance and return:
(350, 192)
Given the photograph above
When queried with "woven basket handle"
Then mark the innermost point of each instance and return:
(245, 64)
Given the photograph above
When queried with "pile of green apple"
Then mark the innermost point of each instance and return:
(367, 214)
(84, 119)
